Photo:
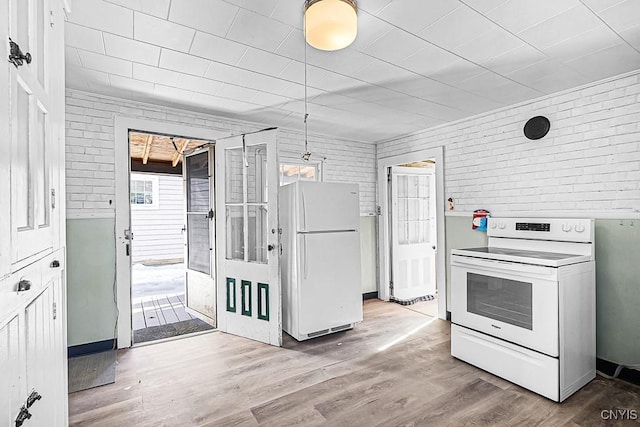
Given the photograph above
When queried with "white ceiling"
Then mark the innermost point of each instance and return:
(415, 63)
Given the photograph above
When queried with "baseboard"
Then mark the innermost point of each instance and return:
(92, 347)
(626, 374)
(369, 295)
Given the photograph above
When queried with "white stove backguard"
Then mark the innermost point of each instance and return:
(555, 229)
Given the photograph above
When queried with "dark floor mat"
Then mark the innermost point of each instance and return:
(171, 330)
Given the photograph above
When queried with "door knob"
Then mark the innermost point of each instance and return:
(24, 285)
(33, 398)
(54, 264)
(23, 416)
(271, 247)
(433, 247)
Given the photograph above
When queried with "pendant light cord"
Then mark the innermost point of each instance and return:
(306, 155)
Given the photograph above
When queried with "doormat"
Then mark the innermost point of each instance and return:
(92, 370)
(170, 330)
(412, 300)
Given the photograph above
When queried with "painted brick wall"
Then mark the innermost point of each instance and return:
(90, 150)
(589, 161)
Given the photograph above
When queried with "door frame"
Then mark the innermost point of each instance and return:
(384, 248)
(122, 172)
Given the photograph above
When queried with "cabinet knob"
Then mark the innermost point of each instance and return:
(24, 285)
(55, 264)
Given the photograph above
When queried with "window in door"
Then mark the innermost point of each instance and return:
(414, 219)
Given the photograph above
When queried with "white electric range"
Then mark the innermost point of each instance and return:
(523, 308)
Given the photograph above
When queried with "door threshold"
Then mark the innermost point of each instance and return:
(177, 337)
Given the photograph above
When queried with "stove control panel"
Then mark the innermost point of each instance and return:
(570, 230)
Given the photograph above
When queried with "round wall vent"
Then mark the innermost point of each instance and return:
(537, 127)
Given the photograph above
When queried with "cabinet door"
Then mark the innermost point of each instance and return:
(33, 117)
(11, 372)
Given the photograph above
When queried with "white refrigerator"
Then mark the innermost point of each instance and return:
(320, 263)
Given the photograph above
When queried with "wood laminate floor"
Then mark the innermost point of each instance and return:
(393, 369)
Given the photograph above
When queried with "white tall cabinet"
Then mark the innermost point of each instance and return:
(33, 372)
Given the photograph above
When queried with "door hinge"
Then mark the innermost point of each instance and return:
(55, 310)
(53, 198)
(211, 214)
(378, 210)
(391, 286)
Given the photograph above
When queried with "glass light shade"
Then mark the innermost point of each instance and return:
(330, 24)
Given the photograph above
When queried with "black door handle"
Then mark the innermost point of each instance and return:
(271, 247)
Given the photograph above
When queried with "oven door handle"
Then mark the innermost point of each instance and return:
(496, 265)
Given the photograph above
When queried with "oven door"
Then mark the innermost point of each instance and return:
(512, 301)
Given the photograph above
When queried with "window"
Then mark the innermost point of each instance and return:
(144, 191)
(292, 171)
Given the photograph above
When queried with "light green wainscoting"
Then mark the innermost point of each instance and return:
(618, 291)
(369, 253)
(90, 280)
(458, 234)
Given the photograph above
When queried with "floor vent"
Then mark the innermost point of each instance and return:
(318, 333)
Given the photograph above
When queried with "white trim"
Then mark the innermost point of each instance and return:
(83, 215)
(122, 125)
(555, 214)
(436, 153)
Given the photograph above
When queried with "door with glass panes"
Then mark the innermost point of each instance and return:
(200, 283)
(413, 239)
(248, 250)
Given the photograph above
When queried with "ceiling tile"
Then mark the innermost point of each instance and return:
(82, 78)
(419, 86)
(182, 62)
(83, 37)
(600, 5)
(483, 6)
(460, 100)
(429, 60)
(622, 16)
(131, 4)
(457, 28)
(258, 31)
(289, 13)
(395, 45)
(416, 15)
(542, 70)
(155, 75)
(457, 72)
(126, 83)
(263, 7)
(371, 6)
(611, 61)
(632, 36)
(131, 50)
(217, 48)
(514, 59)
(263, 62)
(583, 44)
(103, 16)
(210, 16)
(198, 84)
(490, 45)
(157, 8)
(162, 33)
(561, 27)
(370, 28)
(379, 72)
(518, 15)
(106, 64)
(293, 72)
(71, 56)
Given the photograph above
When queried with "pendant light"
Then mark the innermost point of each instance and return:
(330, 24)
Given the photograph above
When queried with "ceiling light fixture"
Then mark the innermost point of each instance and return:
(330, 24)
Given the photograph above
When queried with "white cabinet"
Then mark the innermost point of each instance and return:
(33, 369)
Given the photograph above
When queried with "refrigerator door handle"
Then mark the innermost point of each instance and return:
(304, 256)
(304, 213)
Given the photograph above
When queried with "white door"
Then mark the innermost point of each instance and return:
(34, 135)
(249, 302)
(413, 232)
(199, 236)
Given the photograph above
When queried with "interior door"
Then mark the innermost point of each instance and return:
(33, 159)
(413, 232)
(249, 302)
(200, 277)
